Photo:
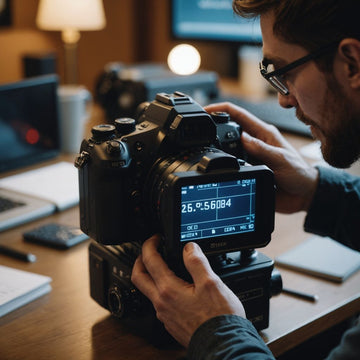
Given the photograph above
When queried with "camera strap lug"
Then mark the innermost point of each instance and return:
(82, 159)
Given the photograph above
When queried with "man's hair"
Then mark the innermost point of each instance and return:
(308, 23)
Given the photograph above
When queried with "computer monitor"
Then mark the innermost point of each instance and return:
(29, 122)
(212, 20)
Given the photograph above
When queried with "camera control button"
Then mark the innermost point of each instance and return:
(113, 147)
(136, 197)
(139, 146)
(231, 135)
(220, 117)
(125, 126)
(116, 302)
(103, 132)
(82, 159)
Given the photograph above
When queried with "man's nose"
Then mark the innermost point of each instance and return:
(287, 101)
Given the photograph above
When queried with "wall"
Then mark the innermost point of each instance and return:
(220, 57)
(22, 37)
(136, 31)
(96, 48)
(114, 43)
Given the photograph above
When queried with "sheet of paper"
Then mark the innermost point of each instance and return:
(18, 288)
(57, 183)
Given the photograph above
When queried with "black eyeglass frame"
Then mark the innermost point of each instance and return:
(274, 77)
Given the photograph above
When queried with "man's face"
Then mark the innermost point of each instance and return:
(319, 99)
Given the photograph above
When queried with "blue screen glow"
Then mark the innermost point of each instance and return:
(217, 209)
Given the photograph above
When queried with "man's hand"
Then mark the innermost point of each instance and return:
(296, 180)
(181, 306)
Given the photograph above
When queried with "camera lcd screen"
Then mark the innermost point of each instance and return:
(217, 209)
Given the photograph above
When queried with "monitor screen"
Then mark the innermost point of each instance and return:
(28, 121)
(217, 209)
(212, 20)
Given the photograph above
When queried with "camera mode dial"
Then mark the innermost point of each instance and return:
(220, 117)
(116, 302)
(126, 301)
(103, 132)
(125, 126)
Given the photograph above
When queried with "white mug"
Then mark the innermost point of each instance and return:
(251, 81)
(74, 112)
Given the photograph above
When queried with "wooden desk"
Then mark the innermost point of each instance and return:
(68, 324)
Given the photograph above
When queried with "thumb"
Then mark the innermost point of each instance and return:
(196, 263)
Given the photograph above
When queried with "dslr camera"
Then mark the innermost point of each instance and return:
(121, 88)
(180, 172)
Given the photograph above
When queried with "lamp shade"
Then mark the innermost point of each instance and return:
(71, 14)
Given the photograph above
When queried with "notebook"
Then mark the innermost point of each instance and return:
(18, 288)
(37, 193)
(29, 134)
(323, 257)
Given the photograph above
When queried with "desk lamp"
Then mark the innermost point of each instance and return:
(70, 17)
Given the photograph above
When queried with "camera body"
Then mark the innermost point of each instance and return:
(178, 171)
(250, 275)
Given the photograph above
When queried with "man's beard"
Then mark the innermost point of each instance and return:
(340, 143)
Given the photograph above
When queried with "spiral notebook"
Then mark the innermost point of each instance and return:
(323, 257)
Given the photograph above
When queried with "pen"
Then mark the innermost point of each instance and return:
(17, 254)
(299, 294)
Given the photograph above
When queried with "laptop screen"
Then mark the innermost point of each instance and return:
(29, 121)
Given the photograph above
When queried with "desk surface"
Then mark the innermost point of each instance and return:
(68, 324)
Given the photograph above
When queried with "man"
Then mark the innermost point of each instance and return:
(312, 57)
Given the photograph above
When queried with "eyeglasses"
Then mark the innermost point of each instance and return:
(275, 77)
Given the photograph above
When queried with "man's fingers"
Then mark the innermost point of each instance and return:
(153, 261)
(151, 274)
(249, 122)
(276, 157)
(268, 154)
(142, 280)
(196, 263)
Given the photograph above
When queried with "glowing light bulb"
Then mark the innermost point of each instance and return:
(184, 59)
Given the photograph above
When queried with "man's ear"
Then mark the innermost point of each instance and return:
(349, 51)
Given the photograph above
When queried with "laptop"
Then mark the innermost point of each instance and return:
(29, 121)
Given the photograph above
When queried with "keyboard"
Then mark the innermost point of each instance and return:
(7, 204)
(270, 111)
